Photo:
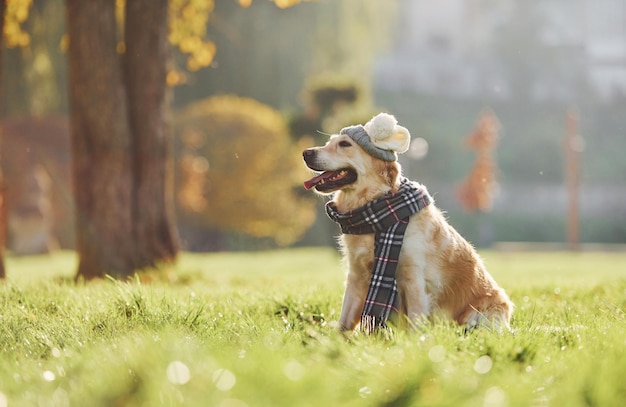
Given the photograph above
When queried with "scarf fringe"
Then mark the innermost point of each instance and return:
(371, 325)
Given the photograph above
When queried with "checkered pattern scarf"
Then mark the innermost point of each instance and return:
(387, 217)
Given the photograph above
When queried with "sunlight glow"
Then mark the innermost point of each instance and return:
(293, 370)
(437, 354)
(178, 372)
(365, 392)
(483, 364)
(49, 376)
(495, 397)
(224, 379)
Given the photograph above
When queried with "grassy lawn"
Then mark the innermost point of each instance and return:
(256, 329)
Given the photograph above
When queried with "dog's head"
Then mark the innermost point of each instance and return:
(359, 157)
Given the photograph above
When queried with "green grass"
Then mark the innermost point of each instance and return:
(256, 329)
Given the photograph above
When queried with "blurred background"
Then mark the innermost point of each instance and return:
(517, 109)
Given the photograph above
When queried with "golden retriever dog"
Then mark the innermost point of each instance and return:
(438, 274)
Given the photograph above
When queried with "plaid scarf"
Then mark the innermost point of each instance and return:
(387, 217)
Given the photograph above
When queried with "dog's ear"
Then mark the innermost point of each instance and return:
(390, 171)
(393, 172)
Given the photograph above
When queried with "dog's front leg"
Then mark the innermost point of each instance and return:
(359, 251)
(353, 300)
(414, 300)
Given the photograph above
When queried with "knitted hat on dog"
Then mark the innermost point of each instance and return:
(381, 137)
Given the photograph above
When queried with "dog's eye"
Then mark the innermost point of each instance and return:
(344, 143)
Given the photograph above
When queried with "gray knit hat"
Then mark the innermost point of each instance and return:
(381, 137)
(360, 136)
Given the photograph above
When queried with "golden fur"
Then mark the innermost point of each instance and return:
(439, 272)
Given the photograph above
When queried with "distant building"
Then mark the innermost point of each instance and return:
(550, 49)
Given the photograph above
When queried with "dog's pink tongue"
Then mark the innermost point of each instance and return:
(317, 179)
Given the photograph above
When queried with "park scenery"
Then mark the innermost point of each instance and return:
(158, 247)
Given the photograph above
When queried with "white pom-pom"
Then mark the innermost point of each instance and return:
(385, 133)
(381, 126)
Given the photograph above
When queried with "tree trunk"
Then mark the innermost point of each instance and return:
(145, 70)
(3, 218)
(100, 142)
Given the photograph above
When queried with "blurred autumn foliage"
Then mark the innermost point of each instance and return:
(239, 170)
(187, 31)
(15, 14)
(278, 3)
(476, 192)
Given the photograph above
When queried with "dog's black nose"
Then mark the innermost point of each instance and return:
(308, 153)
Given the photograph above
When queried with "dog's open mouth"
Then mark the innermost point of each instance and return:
(329, 181)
